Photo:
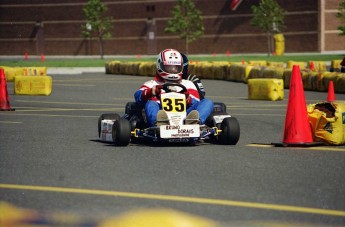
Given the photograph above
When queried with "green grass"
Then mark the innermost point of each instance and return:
(96, 62)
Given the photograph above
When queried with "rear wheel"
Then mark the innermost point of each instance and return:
(107, 116)
(121, 132)
(230, 131)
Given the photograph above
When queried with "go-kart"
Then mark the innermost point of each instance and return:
(220, 127)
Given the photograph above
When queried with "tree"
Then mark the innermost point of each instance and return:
(97, 24)
(269, 17)
(187, 21)
(341, 16)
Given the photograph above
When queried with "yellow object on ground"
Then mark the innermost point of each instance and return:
(11, 216)
(301, 64)
(11, 72)
(32, 85)
(266, 89)
(258, 63)
(279, 44)
(158, 218)
(328, 122)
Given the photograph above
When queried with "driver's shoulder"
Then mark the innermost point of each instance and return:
(188, 84)
(151, 83)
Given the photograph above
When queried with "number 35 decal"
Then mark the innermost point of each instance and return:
(174, 105)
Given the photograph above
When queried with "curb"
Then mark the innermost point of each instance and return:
(74, 70)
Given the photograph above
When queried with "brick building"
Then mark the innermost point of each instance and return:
(53, 27)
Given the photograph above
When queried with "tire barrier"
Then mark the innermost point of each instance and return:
(32, 85)
(257, 63)
(314, 74)
(276, 64)
(317, 66)
(290, 64)
(327, 121)
(335, 66)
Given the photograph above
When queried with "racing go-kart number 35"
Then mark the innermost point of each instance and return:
(220, 127)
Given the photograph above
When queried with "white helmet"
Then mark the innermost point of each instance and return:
(170, 65)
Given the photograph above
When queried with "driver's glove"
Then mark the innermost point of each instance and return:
(150, 92)
(193, 78)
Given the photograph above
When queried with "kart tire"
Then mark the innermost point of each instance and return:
(219, 107)
(230, 131)
(107, 116)
(121, 132)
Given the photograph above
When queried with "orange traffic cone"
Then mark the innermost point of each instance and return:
(4, 99)
(312, 66)
(331, 95)
(297, 131)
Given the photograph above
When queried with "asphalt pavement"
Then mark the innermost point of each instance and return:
(53, 162)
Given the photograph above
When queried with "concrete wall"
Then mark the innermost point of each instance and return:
(59, 31)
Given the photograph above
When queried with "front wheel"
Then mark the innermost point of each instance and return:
(230, 131)
(121, 132)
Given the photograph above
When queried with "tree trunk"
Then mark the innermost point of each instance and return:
(187, 46)
(101, 46)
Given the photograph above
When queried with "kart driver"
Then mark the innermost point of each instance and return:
(169, 70)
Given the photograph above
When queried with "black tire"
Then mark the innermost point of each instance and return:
(108, 116)
(219, 107)
(121, 132)
(230, 131)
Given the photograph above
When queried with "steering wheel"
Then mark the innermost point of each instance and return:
(166, 87)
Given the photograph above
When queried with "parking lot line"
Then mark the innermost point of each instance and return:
(10, 122)
(317, 148)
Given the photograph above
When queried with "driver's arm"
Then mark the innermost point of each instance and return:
(146, 92)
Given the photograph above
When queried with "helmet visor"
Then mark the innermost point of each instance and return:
(172, 68)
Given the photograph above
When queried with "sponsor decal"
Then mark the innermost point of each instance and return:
(181, 140)
(328, 127)
(179, 131)
(169, 62)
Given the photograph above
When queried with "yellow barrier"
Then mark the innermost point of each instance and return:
(301, 64)
(34, 71)
(327, 122)
(257, 63)
(276, 64)
(266, 89)
(279, 44)
(32, 85)
(11, 72)
(335, 66)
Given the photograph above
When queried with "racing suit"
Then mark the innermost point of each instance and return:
(152, 105)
